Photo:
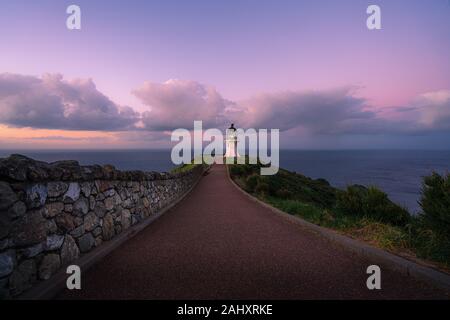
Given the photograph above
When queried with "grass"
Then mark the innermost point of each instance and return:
(319, 203)
(379, 234)
(408, 241)
(201, 160)
(183, 168)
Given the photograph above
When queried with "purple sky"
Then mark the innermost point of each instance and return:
(138, 69)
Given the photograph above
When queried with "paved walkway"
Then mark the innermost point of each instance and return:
(218, 244)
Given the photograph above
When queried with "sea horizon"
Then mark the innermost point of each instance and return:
(398, 172)
(3, 150)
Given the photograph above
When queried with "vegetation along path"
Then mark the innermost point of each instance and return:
(217, 243)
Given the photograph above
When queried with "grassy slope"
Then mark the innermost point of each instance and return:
(189, 166)
(183, 168)
(316, 202)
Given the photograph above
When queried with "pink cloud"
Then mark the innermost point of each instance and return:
(177, 103)
(434, 109)
(50, 102)
(54, 103)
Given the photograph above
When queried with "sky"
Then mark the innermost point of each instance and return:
(139, 69)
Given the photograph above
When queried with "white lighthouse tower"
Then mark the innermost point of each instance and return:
(231, 143)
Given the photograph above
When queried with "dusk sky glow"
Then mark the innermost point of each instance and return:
(139, 69)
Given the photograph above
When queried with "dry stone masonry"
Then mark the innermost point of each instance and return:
(51, 214)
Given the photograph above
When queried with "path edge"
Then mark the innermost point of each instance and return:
(386, 259)
(48, 289)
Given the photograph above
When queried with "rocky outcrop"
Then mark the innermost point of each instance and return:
(52, 213)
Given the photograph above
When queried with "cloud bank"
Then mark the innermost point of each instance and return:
(51, 102)
(322, 112)
(176, 104)
(434, 110)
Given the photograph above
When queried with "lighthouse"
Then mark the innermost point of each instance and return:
(231, 143)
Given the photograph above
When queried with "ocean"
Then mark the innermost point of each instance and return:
(397, 172)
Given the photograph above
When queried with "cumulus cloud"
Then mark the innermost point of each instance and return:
(434, 110)
(320, 112)
(178, 103)
(54, 103)
(51, 102)
(339, 111)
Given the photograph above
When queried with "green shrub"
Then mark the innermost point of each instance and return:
(183, 168)
(372, 203)
(429, 243)
(236, 170)
(287, 185)
(351, 200)
(435, 202)
(323, 182)
(378, 205)
(262, 188)
(247, 169)
(283, 194)
(294, 207)
(251, 182)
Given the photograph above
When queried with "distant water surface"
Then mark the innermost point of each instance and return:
(146, 160)
(398, 173)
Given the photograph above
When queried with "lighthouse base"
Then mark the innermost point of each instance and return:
(231, 150)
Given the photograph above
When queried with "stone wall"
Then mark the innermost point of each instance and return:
(51, 214)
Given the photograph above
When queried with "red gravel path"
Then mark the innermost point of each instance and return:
(218, 244)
